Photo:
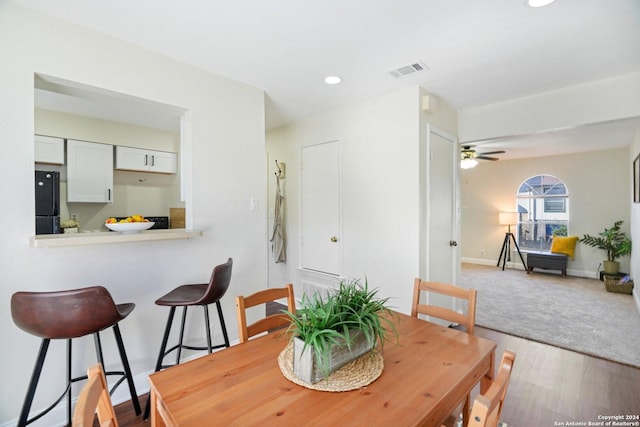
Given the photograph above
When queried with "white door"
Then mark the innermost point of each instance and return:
(442, 211)
(320, 207)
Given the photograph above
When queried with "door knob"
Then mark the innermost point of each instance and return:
(334, 239)
(453, 243)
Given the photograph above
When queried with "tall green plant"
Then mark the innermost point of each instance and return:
(324, 323)
(612, 240)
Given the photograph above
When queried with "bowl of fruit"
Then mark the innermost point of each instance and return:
(131, 224)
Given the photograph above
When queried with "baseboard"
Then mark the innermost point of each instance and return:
(517, 265)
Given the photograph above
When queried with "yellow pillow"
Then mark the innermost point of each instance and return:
(564, 245)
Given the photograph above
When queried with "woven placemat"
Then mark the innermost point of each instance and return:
(356, 374)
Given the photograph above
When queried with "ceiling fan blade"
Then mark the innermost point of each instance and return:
(492, 152)
(493, 159)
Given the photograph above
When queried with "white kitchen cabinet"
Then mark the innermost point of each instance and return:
(89, 172)
(49, 149)
(138, 159)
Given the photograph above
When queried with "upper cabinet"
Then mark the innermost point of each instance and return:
(49, 150)
(89, 172)
(137, 159)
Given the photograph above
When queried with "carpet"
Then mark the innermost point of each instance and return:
(574, 313)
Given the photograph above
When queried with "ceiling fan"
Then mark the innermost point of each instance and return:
(469, 157)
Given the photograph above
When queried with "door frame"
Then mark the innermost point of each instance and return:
(455, 208)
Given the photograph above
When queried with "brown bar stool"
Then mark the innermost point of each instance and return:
(191, 295)
(66, 315)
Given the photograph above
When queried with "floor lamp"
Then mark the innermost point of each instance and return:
(508, 219)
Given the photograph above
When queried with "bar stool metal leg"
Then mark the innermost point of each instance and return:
(224, 327)
(207, 327)
(127, 370)
(35, 376)
(69, 379)
(180, 346)
(23, 419)
(165, 339)
(98, 344)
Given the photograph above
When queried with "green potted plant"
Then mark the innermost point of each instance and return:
(614, 242)
(329, 332)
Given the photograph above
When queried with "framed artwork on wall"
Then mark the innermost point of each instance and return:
(636, 180)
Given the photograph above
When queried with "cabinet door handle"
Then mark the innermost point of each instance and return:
(153, 160)
(109, 194)
(146, 160)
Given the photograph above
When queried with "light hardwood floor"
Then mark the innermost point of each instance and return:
(549, 386)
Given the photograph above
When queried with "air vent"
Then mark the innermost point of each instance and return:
(408, 69)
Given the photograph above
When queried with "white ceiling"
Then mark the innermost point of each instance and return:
(477, 52)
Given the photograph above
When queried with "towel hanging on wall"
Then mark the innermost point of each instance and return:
(277, 237)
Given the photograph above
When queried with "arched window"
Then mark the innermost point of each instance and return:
(543, 207)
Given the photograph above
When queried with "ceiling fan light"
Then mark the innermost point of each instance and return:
(538, 3)
(468, 163)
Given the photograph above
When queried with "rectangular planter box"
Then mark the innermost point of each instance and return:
(307, 367)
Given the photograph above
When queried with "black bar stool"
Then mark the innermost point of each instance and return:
(66, 315)
(191, 295)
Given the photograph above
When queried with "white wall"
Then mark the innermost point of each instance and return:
(227, 128)
(598, 185)
(600, 101)
(381, 157)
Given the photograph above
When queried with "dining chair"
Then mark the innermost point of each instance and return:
(268, 323)
(94, 398)
(467, 320)
(487, 408)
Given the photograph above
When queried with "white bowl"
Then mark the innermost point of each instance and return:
(129, 227)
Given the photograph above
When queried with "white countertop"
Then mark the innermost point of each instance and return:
(96, 238)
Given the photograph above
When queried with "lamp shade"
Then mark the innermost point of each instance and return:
(468, 163)
(539, 3)
(508, 218)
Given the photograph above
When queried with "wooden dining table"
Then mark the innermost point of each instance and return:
(427, 373)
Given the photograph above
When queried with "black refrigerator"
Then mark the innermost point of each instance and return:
(47, 202)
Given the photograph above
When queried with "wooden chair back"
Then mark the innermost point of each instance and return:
(267, 323)
(487, 408)
(467, 320)
(94, 398)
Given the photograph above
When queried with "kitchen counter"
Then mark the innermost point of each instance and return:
(58, 240)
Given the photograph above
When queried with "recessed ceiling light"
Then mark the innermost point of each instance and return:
(538, 3)
(332, 80)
